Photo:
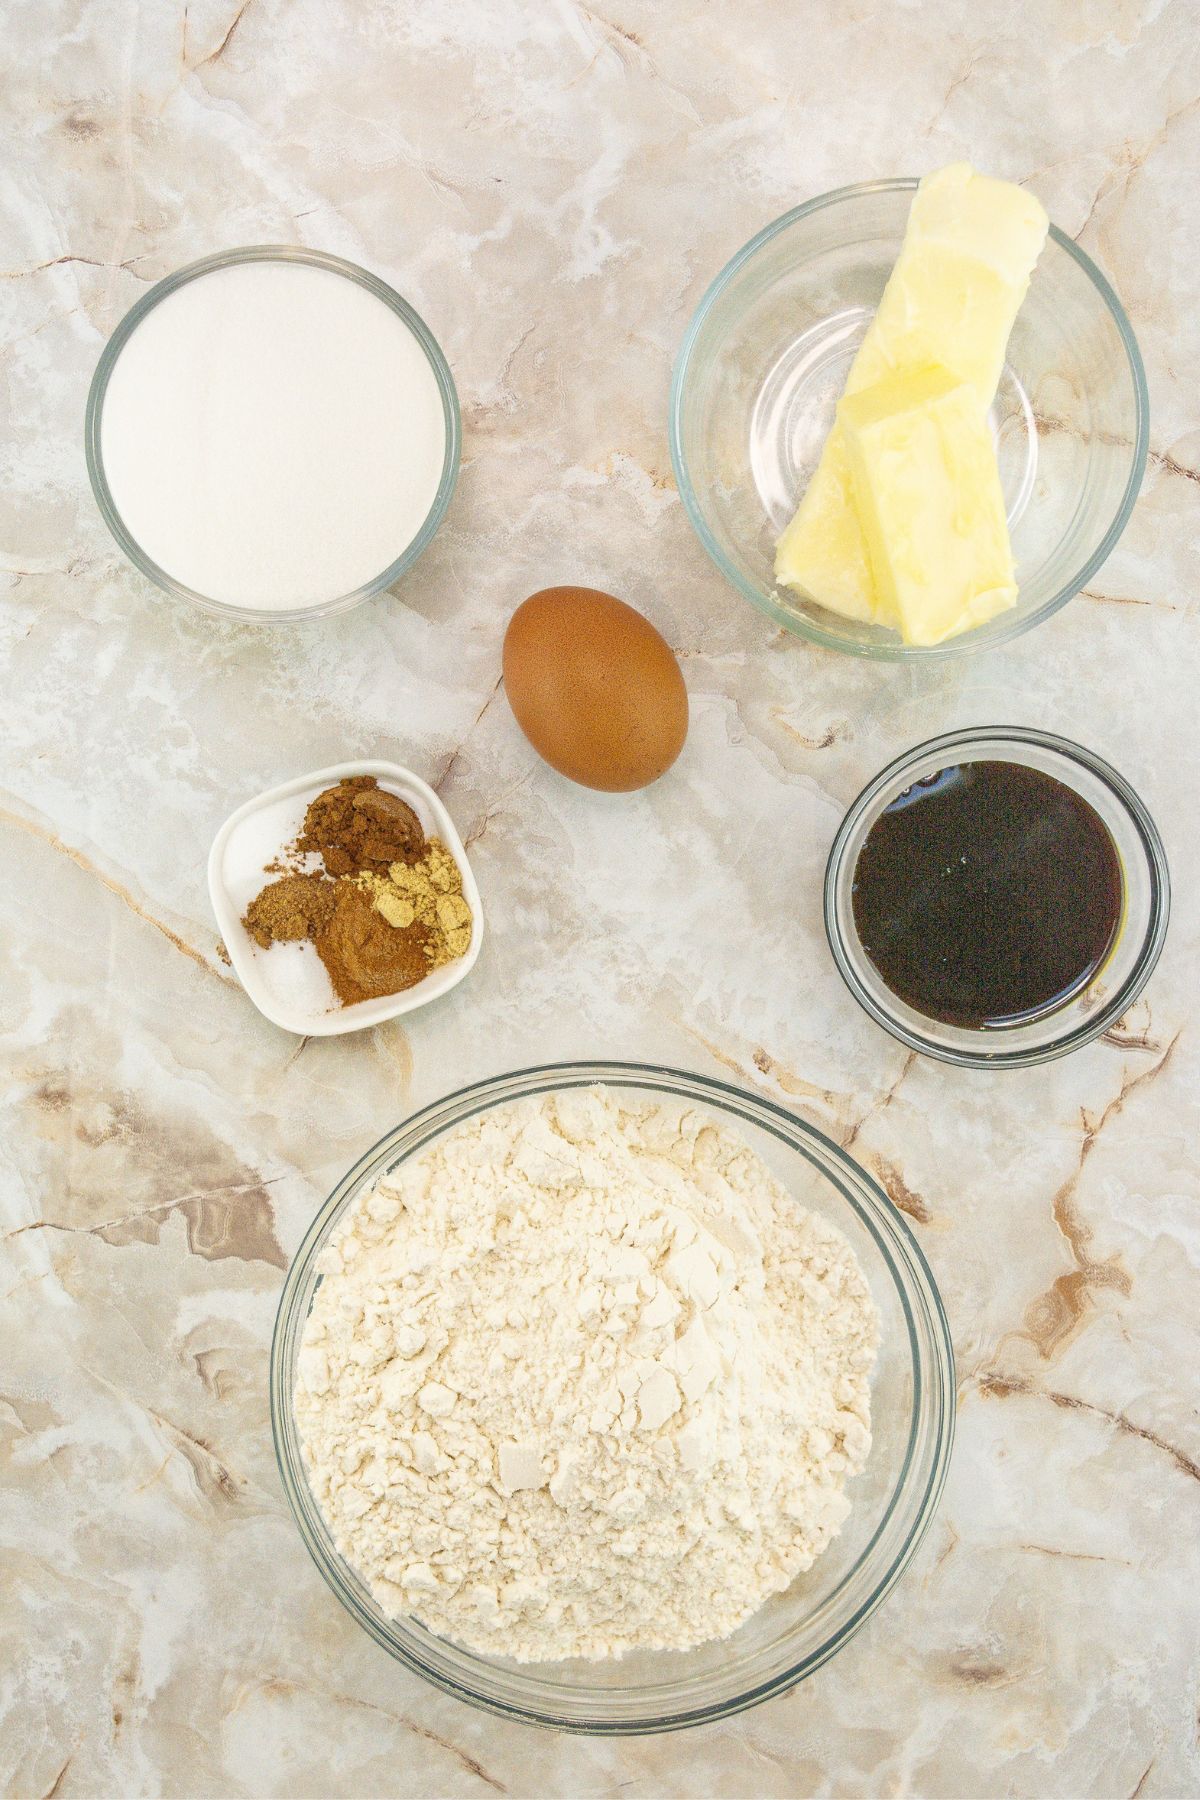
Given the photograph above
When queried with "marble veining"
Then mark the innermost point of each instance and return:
(553, 186)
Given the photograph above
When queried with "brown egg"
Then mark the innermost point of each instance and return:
(594, 687)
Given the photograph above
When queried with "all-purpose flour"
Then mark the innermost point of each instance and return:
(584, 1378)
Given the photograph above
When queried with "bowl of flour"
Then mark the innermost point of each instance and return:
(610, 1397)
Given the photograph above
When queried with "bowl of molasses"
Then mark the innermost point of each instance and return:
(997, 897)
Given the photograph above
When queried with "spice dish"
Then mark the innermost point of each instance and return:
(287, 982)
(912, 1410)
(1141, 910)
(766, 356)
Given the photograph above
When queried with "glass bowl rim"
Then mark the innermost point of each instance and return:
(934, 1379)
(1000, 631)
(838, 872)
(207, 265)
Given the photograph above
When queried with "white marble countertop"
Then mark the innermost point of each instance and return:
(553, 185)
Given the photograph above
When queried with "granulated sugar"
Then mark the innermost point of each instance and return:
(584, 1378)
(273, 435)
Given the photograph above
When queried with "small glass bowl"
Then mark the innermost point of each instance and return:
(893, 1500)
(318, 259)
(1140, 935)
(764, 362)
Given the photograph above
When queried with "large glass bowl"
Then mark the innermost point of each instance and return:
(764, 362)
(893, 1499)
(335, 265)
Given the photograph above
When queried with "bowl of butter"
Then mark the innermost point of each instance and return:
(910, 418)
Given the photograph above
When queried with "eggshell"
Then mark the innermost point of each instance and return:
(596, 690)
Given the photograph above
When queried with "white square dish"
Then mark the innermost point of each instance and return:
(288, 982)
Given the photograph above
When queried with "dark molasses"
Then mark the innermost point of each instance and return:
(988, 894)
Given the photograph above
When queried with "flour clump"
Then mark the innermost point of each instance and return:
(583, 1378)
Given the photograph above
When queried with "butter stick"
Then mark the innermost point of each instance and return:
(963, 270)
(928, 497)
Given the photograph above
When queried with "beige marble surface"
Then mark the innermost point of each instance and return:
(553, 185)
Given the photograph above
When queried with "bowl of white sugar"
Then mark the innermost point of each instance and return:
(272, 433)
(610, 1397)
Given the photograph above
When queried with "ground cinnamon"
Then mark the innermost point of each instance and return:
(365, 956)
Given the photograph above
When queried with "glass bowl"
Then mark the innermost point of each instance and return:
(318, 259)
(763, 364)
(893, 1499)
(1140, 934)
